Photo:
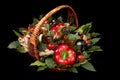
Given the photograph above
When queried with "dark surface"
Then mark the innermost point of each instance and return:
(19, 14)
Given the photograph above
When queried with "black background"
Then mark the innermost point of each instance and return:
(19, 13)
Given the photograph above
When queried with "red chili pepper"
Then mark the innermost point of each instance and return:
(64, 55)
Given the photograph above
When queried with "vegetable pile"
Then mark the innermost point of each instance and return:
(61, 44)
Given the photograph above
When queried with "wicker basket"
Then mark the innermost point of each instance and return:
(32, 45)
(77, 53)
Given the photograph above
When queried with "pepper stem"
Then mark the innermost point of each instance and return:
(64, 54)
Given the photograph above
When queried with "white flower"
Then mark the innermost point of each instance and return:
(46, 52)
(40, 37)
(24, 41)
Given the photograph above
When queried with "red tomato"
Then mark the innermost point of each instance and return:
(87, 41)
(64, 37)
(80, 57)
(46, 22)
(50, 46)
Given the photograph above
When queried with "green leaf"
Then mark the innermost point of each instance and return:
(84, 28)
(59, 20)
(94, 48)
(13, 45)
(17, 33)
(41, 68)
(71, 19)
(60, 29)
(84, 61)
(35, 20)
(21, 49)
(47, 26)
(37, 63)
(88, 66)
(41, 16)
(50, 33)
(76, 47)
(71, 28)
(50, 18)
(73, 37)
(85, 54)
(80, 63)
(73, 69)
(76, 64)
(50, 62)
(41, 46)
(23, 31)
(94, 40)
(94, 34)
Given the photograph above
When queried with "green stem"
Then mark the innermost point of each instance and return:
(64, 54)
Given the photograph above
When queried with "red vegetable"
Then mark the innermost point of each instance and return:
(46, 22)
(50, 46)
(56, 28)
(64, 37)
(87, 41)
(80, 57)
(64, 55)
(71, 42)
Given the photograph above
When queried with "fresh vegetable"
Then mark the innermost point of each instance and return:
(64, 55)
(50, 46)
(80, 57)
(56, 29)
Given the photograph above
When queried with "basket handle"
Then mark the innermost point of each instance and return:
(32, 46)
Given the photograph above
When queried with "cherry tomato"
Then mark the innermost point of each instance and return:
(50, 46)
(80, 57)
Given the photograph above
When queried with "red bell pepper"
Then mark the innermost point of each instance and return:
(64, 55)
(56, 28)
